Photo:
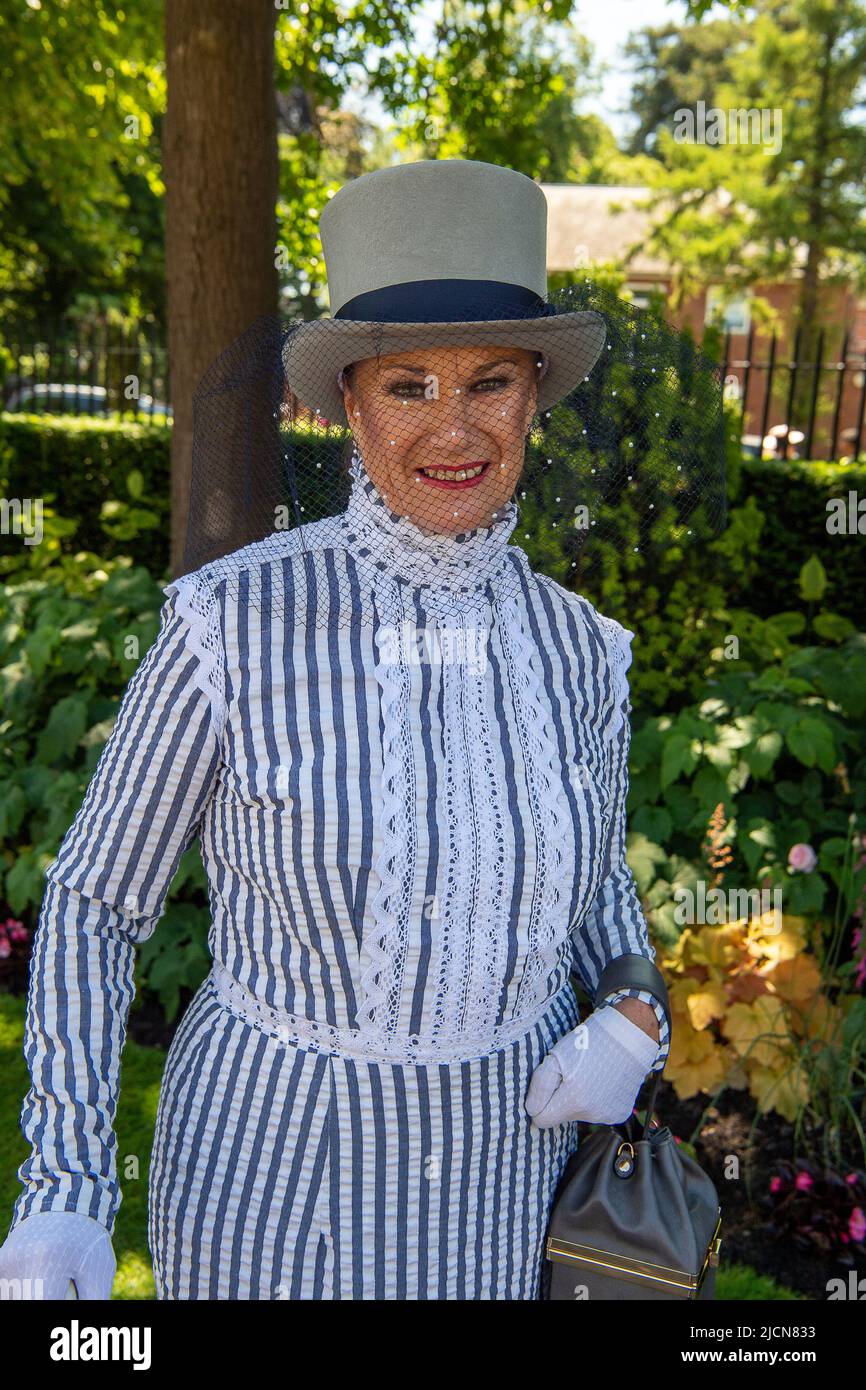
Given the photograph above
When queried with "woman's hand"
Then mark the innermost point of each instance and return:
(593, 1073)
(47, 1250)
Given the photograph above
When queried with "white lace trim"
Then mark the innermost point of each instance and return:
(550, 809)
(381, 981)
(462, 563)
(411, 1050)
(470, 963)
(472, 966)
(196, 604)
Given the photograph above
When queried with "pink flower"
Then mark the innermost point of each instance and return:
(775, 1184)
(856, 947)
(857, 1224)
(5, 948)
(851, 1178)
(860, 907)
(803, 1182)
(802, 859)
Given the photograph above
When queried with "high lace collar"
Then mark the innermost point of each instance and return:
(465, 562)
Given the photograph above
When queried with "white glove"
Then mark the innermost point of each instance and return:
(593, 1073)
(55, 1247)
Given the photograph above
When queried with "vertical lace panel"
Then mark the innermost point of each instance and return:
(471, 934)
(553, 823)
(382, 978)
(474, 914)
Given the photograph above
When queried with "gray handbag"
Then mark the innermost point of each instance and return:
(634, 1217)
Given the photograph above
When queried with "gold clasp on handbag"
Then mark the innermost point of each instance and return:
(623, 1163)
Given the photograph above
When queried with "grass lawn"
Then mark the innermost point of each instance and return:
(136, 1115)
(142, 1072)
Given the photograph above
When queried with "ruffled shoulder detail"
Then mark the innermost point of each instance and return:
(196, 602)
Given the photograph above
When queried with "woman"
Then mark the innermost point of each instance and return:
(405, 754)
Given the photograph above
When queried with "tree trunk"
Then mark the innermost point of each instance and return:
(220, 160)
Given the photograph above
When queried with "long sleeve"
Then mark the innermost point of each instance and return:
(104, 893)
(615, 925)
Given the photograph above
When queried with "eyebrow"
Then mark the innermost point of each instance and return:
(422, 371)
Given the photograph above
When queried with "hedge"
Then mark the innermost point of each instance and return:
(112, 478)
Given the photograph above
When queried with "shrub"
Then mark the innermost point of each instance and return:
(72, 631)
(112, 479)
(728, 797)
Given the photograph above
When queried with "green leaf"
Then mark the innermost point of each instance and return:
(654, 822)
(833, 627)
(25, 881)
(710, 788)
(854, 1026)
(678, 755)
(62, 733)
(680, 805)
(789, 624)
(805, 893)
(643, 857)
(813, 580)
(812, 744)
(39, 648)
(13, 807)
(664, 924)
(135, 483)
(763, 753)
(756, 842)
(832, 851)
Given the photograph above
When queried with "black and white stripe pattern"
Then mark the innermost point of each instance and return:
(284, 1171)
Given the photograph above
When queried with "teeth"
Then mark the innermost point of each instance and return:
(453, 475)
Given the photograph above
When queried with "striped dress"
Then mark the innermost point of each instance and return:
(406, 857)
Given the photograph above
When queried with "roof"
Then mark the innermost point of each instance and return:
(583, 227)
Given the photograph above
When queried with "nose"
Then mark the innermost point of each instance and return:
(450, 432)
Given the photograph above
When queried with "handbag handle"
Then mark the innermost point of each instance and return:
(637, 972)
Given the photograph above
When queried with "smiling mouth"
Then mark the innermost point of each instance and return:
(457, 476)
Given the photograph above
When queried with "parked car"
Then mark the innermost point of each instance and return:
(778, 443)
(69, 398)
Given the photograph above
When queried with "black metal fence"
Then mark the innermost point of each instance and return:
(789, 406)
(102, 369)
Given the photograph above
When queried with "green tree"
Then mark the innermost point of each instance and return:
(323, 51)
(498, 82)
(676, 65)
(81, 186)
(746, 211)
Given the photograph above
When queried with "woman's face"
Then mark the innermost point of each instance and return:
(442, 430)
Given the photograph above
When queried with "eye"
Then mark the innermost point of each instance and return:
(491, 383)
(406, 388)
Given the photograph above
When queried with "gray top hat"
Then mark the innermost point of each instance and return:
(418, 252)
